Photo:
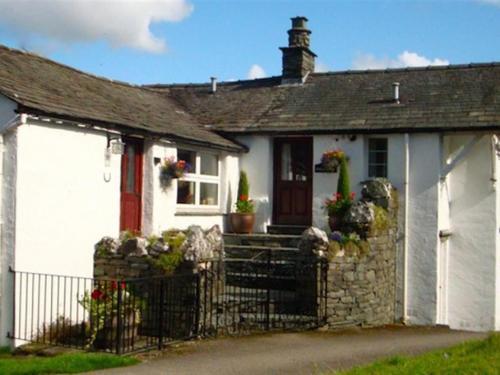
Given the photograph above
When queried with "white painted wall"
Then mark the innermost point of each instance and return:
(425, 161)
(63, 203)
(258, 164)
(472, 292)
(8, 165)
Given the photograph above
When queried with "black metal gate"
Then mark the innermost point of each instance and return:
(236, 296)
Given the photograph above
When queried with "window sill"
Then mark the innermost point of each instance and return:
(199, 212)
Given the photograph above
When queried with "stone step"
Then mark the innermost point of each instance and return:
(286, 229)
(268, 240)
(259, 252)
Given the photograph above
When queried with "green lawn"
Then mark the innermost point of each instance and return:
(69, 363)
(473, 357)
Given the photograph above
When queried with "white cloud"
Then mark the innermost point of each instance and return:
(405, 59)
(321, 67)
(256, 71)
(122, 23)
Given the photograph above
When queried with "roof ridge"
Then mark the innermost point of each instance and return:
(68, 67)
(339, 72)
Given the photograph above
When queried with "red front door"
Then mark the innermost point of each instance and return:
(131, 185)
(293, 181)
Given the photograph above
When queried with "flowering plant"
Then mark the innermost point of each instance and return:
(244, 205)
(331, 159)
(108, 301)
(338, 205)
(172, 168)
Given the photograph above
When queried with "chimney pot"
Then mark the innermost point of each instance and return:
(298, 59)
(213, 80)
(395, 88)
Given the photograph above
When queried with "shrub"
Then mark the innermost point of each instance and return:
(343, 184)
(170, 261)
(381, 218)
(243, 185)
(244, 205)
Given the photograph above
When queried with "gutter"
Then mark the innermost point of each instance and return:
(406, 215)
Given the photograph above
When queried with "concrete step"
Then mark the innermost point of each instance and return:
(286, 229)
(267, 240)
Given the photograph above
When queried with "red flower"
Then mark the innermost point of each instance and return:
(97, 294)
(353, 194)
(243, 197)
(338, 196)
(114, 285)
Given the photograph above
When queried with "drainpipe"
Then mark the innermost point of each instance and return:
(405, 238)
(494, 144)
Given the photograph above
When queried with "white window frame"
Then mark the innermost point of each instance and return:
(368, 155)
(199, 178)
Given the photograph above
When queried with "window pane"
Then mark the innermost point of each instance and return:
(189, 157)
(286, 162)
(209, 164)
(209, 194)
(130, 188)
(377, 157)
(186, 192)
(299, 156)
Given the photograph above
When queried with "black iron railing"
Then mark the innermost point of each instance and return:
(236, 296)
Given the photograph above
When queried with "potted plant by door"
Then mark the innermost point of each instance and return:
(337, 206)
(243, 220)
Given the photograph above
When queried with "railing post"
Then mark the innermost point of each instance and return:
(118, 318)
(268, 292)
(197, 304)
(13, 334)
(161, 304)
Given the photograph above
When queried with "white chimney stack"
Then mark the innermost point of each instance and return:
(395, 87)
(214, 84)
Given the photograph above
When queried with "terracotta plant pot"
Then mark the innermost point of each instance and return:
(334, 223)
(242, 223)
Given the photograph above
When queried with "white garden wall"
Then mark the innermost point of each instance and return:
(472, 249)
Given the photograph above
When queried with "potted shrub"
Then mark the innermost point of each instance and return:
(337, 206)
(243, 220)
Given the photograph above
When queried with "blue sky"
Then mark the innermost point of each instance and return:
(189, 41)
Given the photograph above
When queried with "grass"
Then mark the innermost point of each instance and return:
(69, 363)
(472, 357)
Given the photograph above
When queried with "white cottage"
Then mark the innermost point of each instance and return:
(431, 131)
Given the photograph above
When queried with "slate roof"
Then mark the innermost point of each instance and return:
(434, 98)
(42, 86)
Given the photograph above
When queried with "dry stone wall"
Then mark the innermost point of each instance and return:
(361, 288)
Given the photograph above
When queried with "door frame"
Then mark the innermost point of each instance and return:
(138, 172)
(277, 174)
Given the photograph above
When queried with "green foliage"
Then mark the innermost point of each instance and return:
(170, 261)
(351, 243)
(129, 235)
(70, 363)
(471, 357)
(102, 305)
(381, 220)
(343, 184)
(337, 206)
(4, 350)
(243, 187)
(153, 240)
(174, 239)
(244, 207)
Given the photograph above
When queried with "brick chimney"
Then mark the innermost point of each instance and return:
(298, 59)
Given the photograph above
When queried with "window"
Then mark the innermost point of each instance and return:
(200, 187)
(377, 157)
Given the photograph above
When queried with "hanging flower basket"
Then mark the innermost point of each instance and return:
(171, 169)
(330, 160)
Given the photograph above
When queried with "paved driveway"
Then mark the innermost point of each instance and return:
(295, 353)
